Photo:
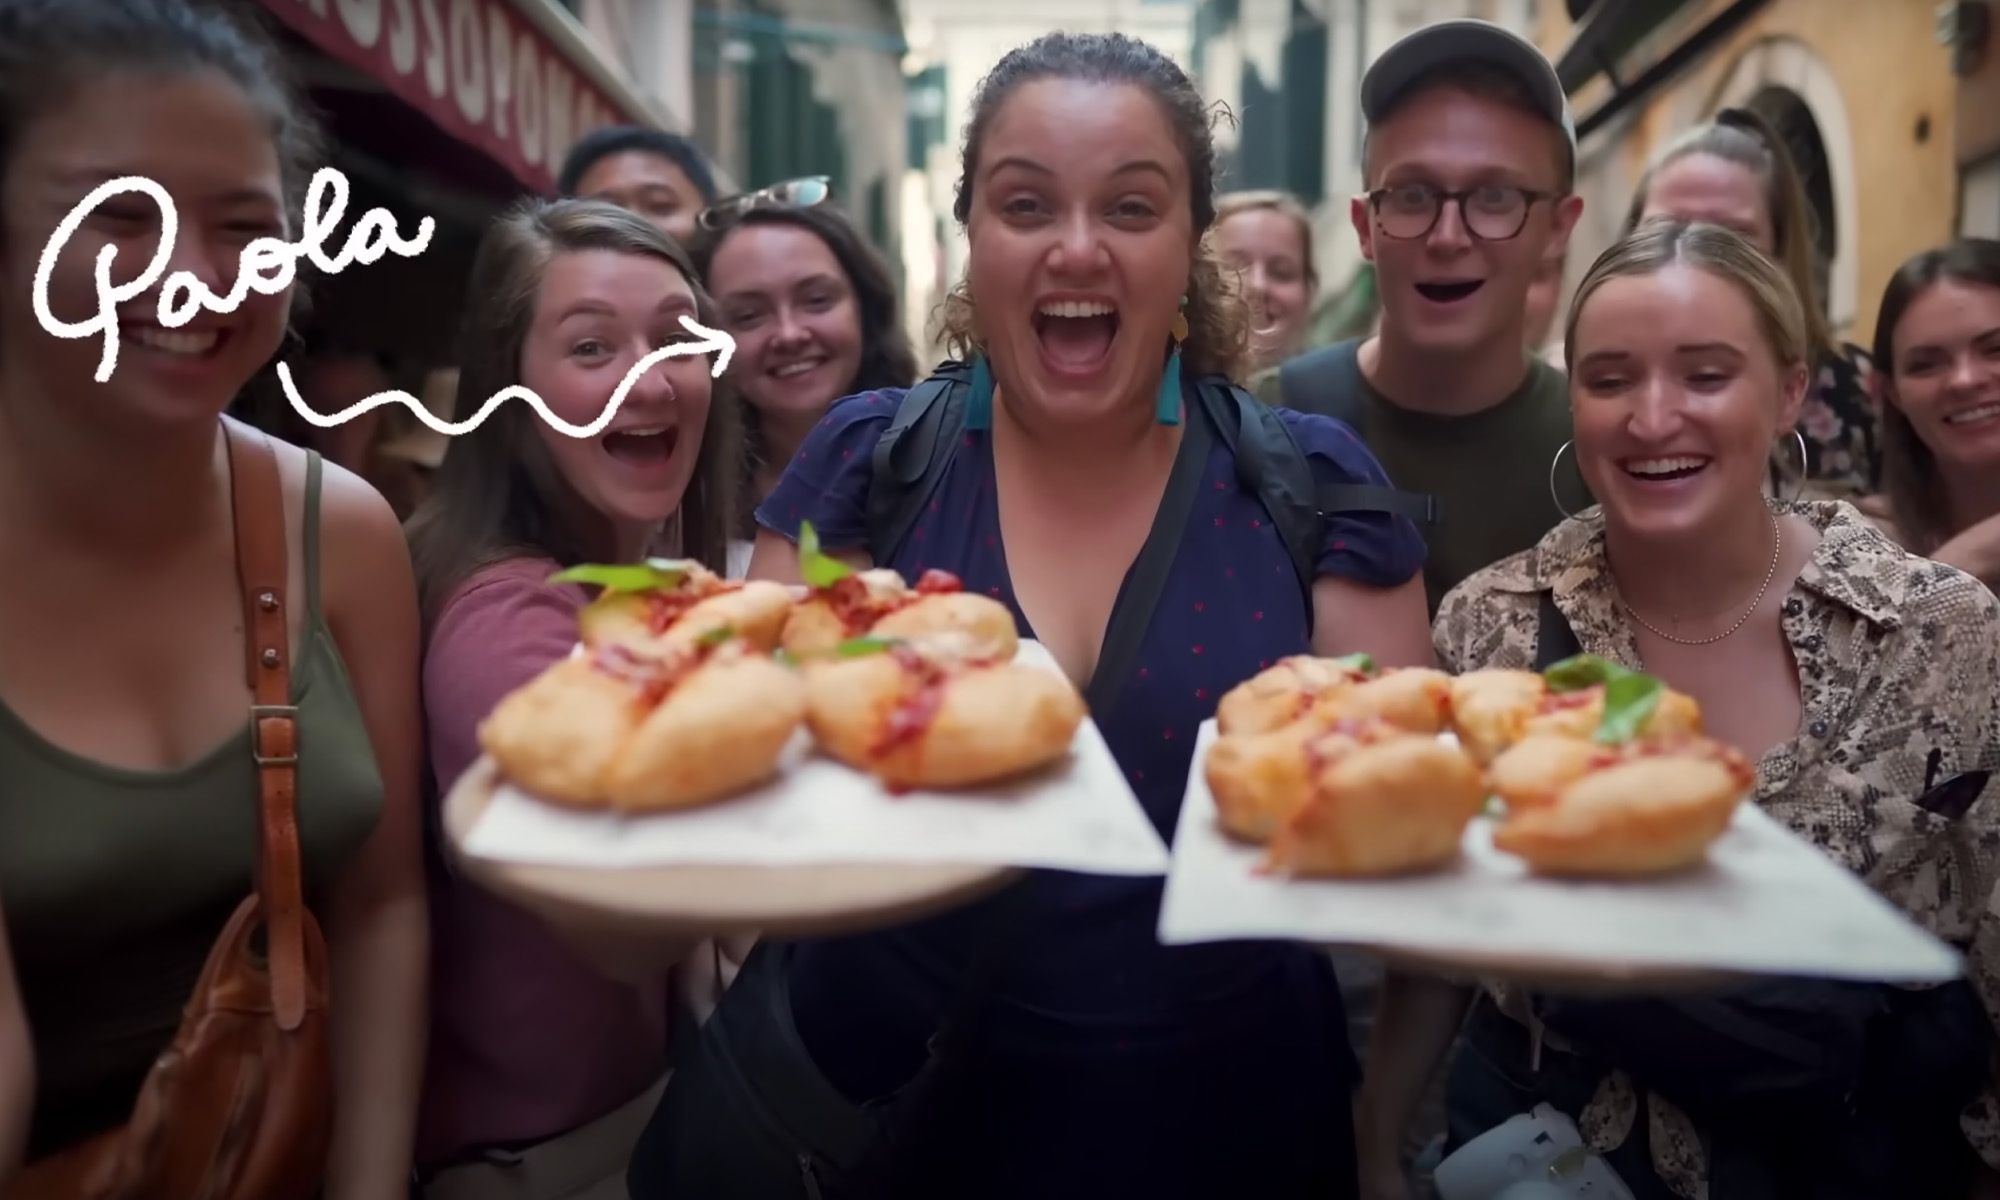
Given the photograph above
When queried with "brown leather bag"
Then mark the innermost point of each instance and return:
(240, 1106)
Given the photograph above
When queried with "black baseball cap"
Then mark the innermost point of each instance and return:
(1418, 53)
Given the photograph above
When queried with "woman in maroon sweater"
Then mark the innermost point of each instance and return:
(543, 1070)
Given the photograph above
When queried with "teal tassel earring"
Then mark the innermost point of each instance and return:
(1167, 406)
(979, 401)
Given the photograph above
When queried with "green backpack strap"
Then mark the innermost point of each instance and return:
(1271, 464)
(911, 456)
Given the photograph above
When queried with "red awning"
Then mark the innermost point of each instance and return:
(479, 69)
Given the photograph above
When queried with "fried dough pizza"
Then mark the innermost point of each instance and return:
(643, 728)
(1362, 798)
(677, 602)
(1494, 709)
(938, 712)
(1327, 691)
(1284, 692)
(1647, 807)
(846, 604)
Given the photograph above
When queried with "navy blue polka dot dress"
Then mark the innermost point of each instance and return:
(1104, 1064)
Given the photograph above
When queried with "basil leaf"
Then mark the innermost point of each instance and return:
(1364, 663)
(1629, 700)
(653, 575)
(784, 657)
(817, 569)
(862, 646)
(716, 636)
(1582, 671)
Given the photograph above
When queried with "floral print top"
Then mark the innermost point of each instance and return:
(1842, 434)
(1899, 679)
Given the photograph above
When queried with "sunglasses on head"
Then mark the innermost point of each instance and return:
(792, 193)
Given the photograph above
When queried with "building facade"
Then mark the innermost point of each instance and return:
(446, 109)
(1890, 107)
(791, 88)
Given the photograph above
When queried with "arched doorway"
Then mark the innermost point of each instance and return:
(1785, 80)
(1793, 120)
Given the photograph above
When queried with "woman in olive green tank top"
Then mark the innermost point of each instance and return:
(127, 791)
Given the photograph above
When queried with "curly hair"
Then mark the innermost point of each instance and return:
(1218, 323)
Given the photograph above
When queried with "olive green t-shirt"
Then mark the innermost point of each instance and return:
(1489, 470)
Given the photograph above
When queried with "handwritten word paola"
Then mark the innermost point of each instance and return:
(267, 265)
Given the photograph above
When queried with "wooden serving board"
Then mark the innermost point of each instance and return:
(704, 901)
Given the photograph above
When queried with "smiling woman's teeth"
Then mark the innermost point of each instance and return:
(174, 341)
(1982, 412)
(1075, 308)
(795, 368)
(1665, 466)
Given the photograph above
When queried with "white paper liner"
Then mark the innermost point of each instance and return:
(1767, 902)
(1078, 815)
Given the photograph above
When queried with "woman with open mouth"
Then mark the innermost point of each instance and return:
(1937, 340)
(1076, 464)
(209, 746)
(531, 1048)
(1861, 679)
(813, 310)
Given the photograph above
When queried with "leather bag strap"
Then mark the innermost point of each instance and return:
(262, 567)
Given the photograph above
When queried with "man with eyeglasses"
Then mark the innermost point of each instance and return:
(1469, 159)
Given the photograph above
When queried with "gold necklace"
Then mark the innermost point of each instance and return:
(1770, 572)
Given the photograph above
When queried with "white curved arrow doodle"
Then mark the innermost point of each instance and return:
(712, 341)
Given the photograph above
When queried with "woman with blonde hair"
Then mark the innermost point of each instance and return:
(1736, 172)
(1862, 681)
(1266, 239)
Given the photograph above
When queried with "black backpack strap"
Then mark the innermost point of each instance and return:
(1327, 382)
(911, 455)
(1132, 611)
(1269, 465)
(1131, 616)
(1554, 639)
